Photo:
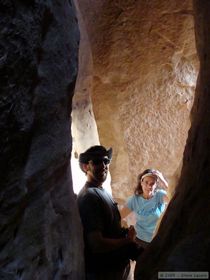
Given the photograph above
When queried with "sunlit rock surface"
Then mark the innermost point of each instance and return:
(144, 75)
(41, 236)
(183, 241)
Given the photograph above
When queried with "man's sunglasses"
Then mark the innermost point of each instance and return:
(105, 161)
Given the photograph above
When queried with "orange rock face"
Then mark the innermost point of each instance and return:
(143, 82)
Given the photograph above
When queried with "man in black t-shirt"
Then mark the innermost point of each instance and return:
(108, 246)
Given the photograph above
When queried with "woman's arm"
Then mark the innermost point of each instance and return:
(162, 181)
(124, 212)
(165, 199)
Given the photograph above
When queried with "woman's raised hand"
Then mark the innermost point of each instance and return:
(163, 182)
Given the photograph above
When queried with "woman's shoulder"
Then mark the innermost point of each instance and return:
(133, 198)
(161, 192)
(161, 196)
(133, 202)
(137, 199)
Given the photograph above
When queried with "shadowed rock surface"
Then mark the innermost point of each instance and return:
(41, 236)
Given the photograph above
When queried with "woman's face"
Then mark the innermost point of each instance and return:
(148, 186)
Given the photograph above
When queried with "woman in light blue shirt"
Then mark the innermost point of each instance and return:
(148, 203)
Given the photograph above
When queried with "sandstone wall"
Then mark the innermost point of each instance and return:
(183, 241)
(144, 75)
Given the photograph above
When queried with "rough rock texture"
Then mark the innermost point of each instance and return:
(144, 76)
(139, 61)
(183, 240)
(84, 129)
(83, 121)
(41, 236)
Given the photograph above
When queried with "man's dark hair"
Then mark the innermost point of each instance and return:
(94, 152)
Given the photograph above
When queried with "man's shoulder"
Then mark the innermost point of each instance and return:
(86, 194)
(86, 191)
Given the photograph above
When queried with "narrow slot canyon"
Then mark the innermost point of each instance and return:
(131, 75)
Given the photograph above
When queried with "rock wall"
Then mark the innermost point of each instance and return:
(140, 67)
(183, 241)
(84, 129)
(41, 235)
(144, 75)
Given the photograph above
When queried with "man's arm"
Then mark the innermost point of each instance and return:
(99, 244)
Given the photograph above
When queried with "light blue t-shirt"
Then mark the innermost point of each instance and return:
(147, 212)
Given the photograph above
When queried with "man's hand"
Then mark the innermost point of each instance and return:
(131, 233)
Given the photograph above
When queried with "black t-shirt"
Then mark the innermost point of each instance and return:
(99, 212)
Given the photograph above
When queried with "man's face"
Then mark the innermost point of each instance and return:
(97, 169)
